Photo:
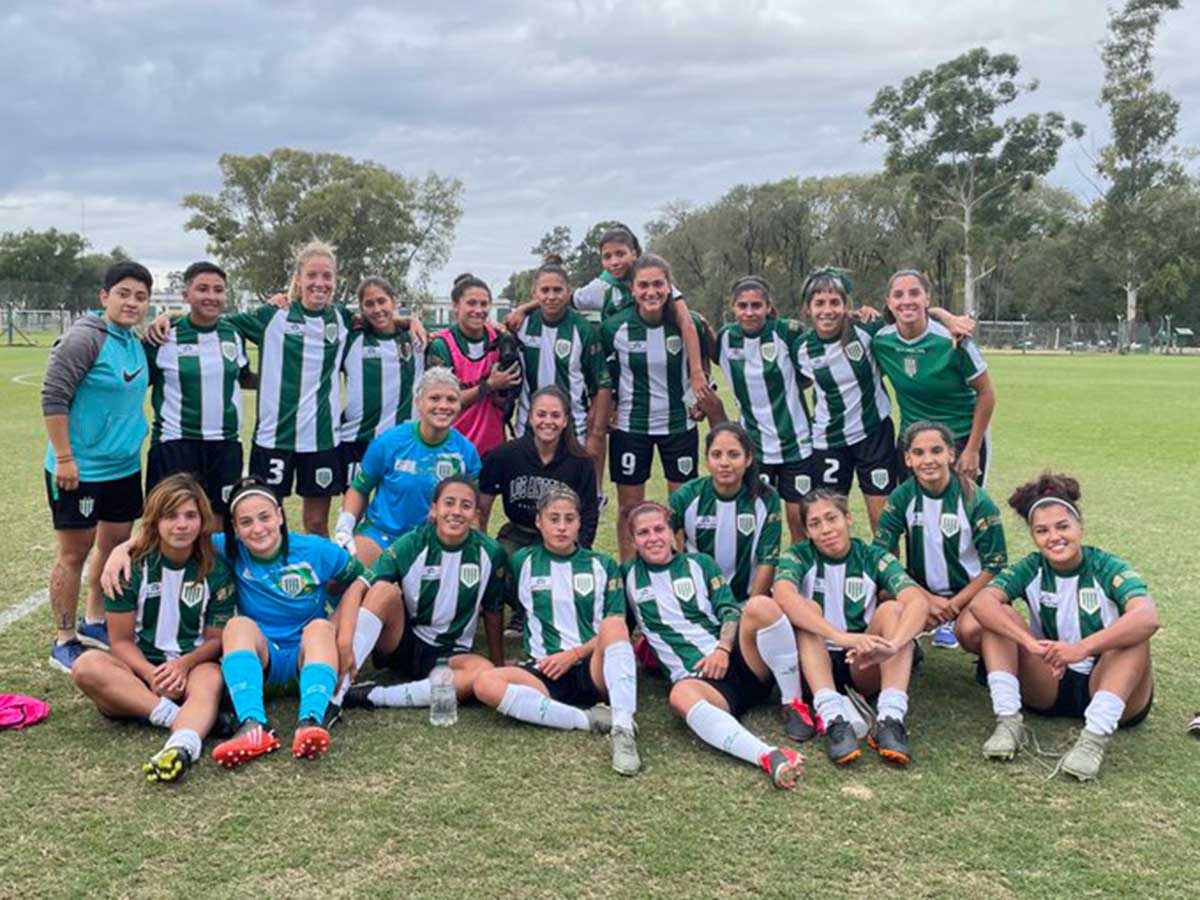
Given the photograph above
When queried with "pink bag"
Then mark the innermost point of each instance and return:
(18, 710)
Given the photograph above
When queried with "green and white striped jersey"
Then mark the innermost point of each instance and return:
(762, 374)
(648, 367)
(444, 588)
(931, 376)
(1070, 606)
(299, 391)
(173, 605)
(948, 539)
(565, 597)
(603, 294)
(739, 534)
(381, 373)
(847, 589)
(194, 386)
(567, 353)
(680, 608)
(849, 401)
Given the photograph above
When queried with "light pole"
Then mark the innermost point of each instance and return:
(1072, 332)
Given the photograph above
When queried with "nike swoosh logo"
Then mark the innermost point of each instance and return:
(129, 376)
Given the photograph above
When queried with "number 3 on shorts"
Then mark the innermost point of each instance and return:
(628, 463)
(831, 470)
(275, 471)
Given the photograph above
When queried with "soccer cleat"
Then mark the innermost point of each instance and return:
(358, 697)
(944, 637)
(1194, 726)
(227, 722)
(168, 764)
(310, 740)
(784, 765)
(841, 743)
(333, 715)
(889, 739)
(252, 740)
(799, 724)
(1084, 759)
(93, 634)
(1007, 738)
(63, 656)
(599, 719)
(625, 758)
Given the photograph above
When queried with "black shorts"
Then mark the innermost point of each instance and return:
(985, 458)
(873, 459)
(791, 479)
(1074, 695)
(630, 456)
(350, 454)
(575, 687)
(741, 688)
(119, 500)
(412, 657)
(217, 465)
(318, 473)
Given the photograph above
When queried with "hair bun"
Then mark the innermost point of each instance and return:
(465, 276)
(552, 259)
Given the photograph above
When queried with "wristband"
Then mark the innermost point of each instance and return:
(722, 647)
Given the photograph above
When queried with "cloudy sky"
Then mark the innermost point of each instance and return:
(549, 112)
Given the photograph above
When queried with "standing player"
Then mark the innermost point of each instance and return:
(1085, 651)
(196, 377)
(92, 398)
(574, 635)
(721, 657)
(730, 514)
(648, 364)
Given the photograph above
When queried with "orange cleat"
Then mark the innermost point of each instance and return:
(784, 765)
(310, 740)
(250, 741)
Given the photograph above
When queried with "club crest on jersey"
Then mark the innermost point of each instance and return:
(229, 350)
(674, 343)
(768, 351)
(86, 506)
(562, 348)
(949, 524)
(584, 583)
(405, 350)
(323, 477)
(444, 469)
(225, 492)
(331, 332)
(880, 478)
(291, 583)
(684, 589)
(854, 351)
(746, 523)
(468, 575)
(1089, 601)
(191, 594)
(910, 366)
(855, 589)
(684, 464)
(803, 484)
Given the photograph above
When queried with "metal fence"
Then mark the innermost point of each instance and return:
(1073, 335)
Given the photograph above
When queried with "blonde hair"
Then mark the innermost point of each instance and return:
(315, 247)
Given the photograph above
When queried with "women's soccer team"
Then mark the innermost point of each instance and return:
(215, 597)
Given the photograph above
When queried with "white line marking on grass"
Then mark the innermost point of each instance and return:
(20, 379)
(14, 614)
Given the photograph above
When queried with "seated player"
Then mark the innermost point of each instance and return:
(421, 602)
(829, 586)
(165, 626)
(721, 658)
(574, 634)
(1085, 651)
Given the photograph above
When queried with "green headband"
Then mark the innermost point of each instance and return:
(841, 276)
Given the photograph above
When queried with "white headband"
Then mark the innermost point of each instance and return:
(254, 492)
(1043, 501)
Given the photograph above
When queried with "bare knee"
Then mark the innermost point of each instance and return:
(613, 630)
(240, 633)
(382, 598)
(318, 630)
(205, 678)
(88, 672)
(761, 610)
(490, 687)
(682, 698)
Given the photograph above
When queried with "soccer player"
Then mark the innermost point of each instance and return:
(421, 601)
(383, 363)
(936, 378)
(648, 364)
(196, 379)
(166, 629)
(92, 402)
(729, 514)
(829, 586)
(953, 536)
(721, 658)
(575, 637)
(402, 467)
(1085, 651)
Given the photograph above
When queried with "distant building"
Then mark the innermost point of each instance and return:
(440, 313)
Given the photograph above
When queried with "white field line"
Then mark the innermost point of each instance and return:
(21, 379)
(14, 614)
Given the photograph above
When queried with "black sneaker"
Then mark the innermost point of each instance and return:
(798, 722)
(227, 721)
(333, 714)
(357, 697)
(841, 743)
(981, 672)
(889, 739)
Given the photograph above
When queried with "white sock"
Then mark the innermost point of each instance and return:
(1006, 693)
(777, 646)
(188, 740)
(164, 714)
(411, 693)
(366, 633)
(620, 676)
(532, 706)
(719, 729)
(892, 704)
(98, 620)
(830, 704)
(1103, 714)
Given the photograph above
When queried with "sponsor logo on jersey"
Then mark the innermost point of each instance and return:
(372, 352)
(910, 366)
(880, 478)
(636, 347)
(949, 524)
(1089, 601)
(735, 353)
(644, 594)
(323, 477)
(584, 583)
(431, 573)
(1047, 599)
(187, 350)
(854, 351)
(674, 344)
(1117, 581)
(229, 350)
(855, 589)
(768, 350)
(444, 469)
(684, 464)
(746, 523)
(408, 466)
(154, 590)
(708, 523)
(468, 575)
(293, 328)
(803, 484)
(562, 348)
(331, 332)
(86, 506)
(539, 583)
(191, 593)
(684, 589)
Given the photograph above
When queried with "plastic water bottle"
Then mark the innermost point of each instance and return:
(443, 700)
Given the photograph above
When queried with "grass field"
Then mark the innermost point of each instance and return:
(490, 808)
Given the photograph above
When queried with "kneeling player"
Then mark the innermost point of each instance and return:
(165, 626)
(575, 634)
(720, 658)
(828, 587)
